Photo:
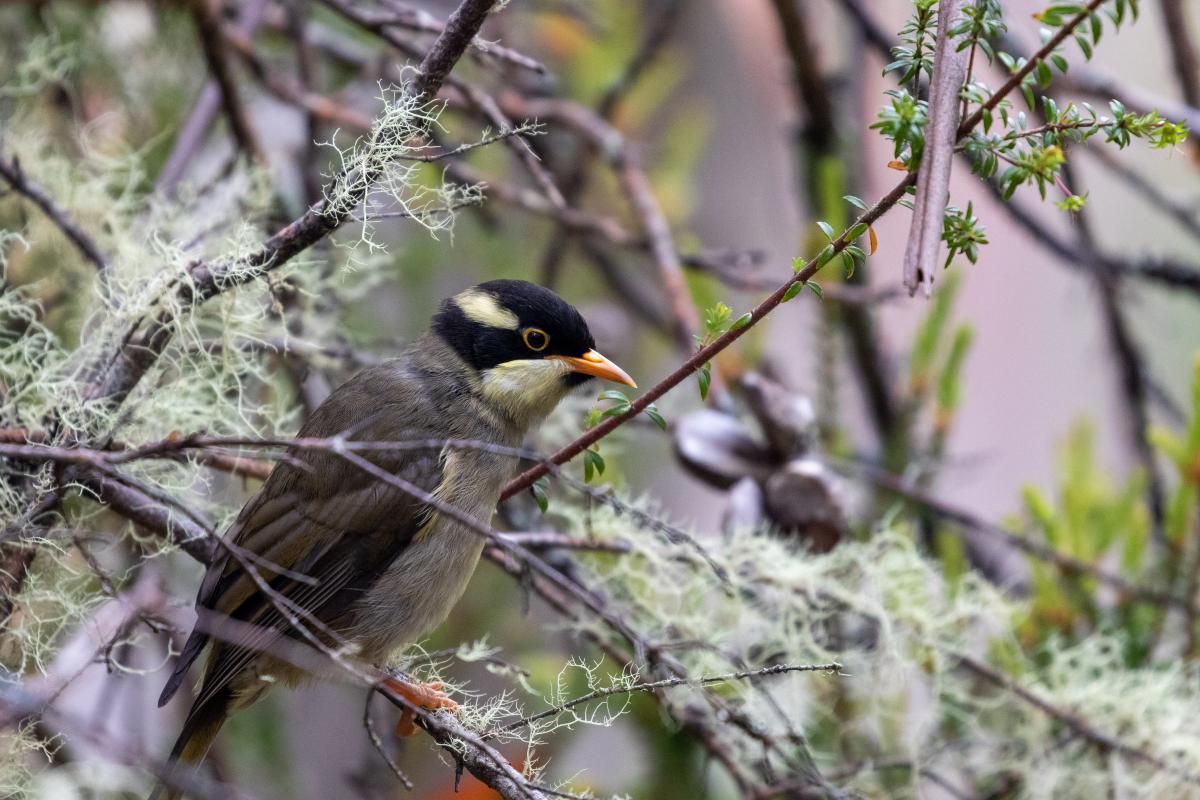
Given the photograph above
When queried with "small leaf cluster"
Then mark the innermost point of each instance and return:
(1089, 519)
(914, 57)
(852, 255)
(1035, 155)
(980, 23)
(718, 320)
(903, 121)
(962, 233)
(621, 404)
(1086, 36)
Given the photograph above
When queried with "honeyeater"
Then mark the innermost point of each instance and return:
(356, 555)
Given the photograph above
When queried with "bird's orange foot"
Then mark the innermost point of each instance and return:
(424, 695)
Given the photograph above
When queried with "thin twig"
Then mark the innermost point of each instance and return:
(652, 686)
(377, 743)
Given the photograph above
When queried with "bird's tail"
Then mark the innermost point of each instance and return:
(199, 730)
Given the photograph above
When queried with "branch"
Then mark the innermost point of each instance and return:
(1077, 724)
(24, 443)
(937, 159)
(212, 42)
(15, 176)
(1183, 50)
(652, 686)
(1015, 79)
(706, 354)
(138, 353)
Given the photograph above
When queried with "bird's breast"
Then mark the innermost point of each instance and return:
(417, 591)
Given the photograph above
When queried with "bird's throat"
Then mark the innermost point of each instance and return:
(526, 390)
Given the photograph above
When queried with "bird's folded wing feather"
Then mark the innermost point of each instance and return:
(320, 516)
(340, 539)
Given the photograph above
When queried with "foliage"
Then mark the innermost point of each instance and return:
(1073, 681)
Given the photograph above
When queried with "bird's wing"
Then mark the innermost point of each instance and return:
(322, 517)
(350, 535)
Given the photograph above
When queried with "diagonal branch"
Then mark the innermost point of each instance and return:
(1014, 80)
(206, 280)
(216, 54)
(11, 172)
(708, 352)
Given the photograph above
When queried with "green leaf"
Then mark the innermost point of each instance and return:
(815, 288)
(741, 321)
(716, 318)
(1043, 73)
(593, 464)
(615, 395)
(704, 376)
(539, 493)
(1027, 93)
(827, 229)
(653, 413)
(848, 263)
(792, 291)
(855, 201)
(798, 263)
(1084, 45)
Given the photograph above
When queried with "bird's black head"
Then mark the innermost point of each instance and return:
(506, 321)
(527, 344)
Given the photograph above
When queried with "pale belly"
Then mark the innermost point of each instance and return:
(419, 589)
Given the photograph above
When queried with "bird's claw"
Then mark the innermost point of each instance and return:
(428, 696)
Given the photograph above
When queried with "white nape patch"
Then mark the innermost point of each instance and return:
(481, 307)
(526, 389)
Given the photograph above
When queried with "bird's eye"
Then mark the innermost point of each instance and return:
(536, 339)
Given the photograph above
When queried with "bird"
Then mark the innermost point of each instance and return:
(358, 556)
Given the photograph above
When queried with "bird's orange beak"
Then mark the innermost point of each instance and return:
(596, 365)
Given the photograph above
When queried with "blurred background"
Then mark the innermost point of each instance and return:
(706, 99)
